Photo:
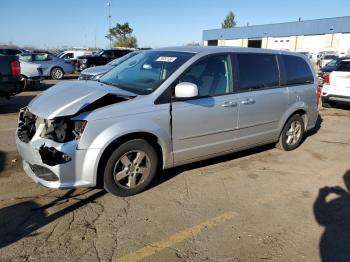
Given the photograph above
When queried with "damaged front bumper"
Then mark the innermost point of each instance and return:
(54, 164)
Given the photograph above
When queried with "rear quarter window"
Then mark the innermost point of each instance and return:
(344, 66)
(257, 71)
(296, 70)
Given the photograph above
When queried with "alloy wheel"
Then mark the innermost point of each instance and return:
(293, 134)
(132, 169)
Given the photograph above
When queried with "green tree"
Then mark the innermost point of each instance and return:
(230, 21)
(121, 35)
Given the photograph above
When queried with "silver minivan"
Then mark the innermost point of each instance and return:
(164, 108)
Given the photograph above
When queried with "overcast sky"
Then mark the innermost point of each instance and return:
(156, 23)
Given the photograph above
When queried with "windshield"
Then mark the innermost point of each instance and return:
(120, 60)
(332, 63)
(98, 53)
(146, 71)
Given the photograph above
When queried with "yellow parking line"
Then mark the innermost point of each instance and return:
(174, 239)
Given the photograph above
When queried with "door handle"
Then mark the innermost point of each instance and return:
(248, 101)
(229, 104)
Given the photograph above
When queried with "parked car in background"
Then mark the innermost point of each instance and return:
(51, 65)
(101, 58)
(165, 108)
(307, 54)
(12, 51)
(72, 55)
(336, 87)
(10, 72)
(31, 74)
(94, 73)
(325, 59)
(333, 65)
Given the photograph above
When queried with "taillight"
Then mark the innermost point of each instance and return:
(15, 68)
(318, 94)
(327, 79)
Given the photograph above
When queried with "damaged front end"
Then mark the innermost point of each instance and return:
(63, 129)
(60, 130)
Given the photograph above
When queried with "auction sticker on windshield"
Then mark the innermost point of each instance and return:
(168, 59)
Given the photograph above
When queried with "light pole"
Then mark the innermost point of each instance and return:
(109, 22)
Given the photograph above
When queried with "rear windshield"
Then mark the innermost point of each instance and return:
(297, 71)
(146, 71)
(344, 66)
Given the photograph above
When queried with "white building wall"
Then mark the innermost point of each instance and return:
(344, 44)
(278, 43)
(311, 43)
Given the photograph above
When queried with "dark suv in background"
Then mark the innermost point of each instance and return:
(12, 51)
(100, 58)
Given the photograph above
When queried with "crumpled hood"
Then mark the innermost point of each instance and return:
(97, 70)
(68, 98)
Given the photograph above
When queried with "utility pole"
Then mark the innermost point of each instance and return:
(95, 38)
(109, 22)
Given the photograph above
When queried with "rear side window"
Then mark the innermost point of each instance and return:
(257, 71)
(13, 52)
(344, 66)
(297, 71)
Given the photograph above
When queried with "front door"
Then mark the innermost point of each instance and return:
(205, 125)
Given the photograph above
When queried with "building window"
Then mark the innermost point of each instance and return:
(212, 42)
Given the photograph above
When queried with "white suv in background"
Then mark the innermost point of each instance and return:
(336, 86)
(73, 54)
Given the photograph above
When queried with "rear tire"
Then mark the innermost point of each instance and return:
(130, 168)
(292, 134)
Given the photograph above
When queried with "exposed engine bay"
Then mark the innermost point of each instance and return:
(61, 129)
(26, 125)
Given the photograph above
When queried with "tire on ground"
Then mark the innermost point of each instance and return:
(282, 142)
(110, 183)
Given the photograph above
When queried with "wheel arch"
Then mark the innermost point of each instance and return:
(295, 111)
(152, 139)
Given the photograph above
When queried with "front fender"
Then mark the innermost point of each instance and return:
(101, 133)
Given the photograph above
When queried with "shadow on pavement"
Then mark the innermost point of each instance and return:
(23, 219)
(168, 174)
(334, 215)
(317, 127)
(14, 104)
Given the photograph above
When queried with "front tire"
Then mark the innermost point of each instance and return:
(57, 73)
(292, 134)
(130, 168)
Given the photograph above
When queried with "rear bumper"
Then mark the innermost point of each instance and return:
(335, 98)
(10, 88)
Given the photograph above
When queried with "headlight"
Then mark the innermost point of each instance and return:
(63, 130)
(83, 61)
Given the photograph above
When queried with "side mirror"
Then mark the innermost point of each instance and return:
(186, 90)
